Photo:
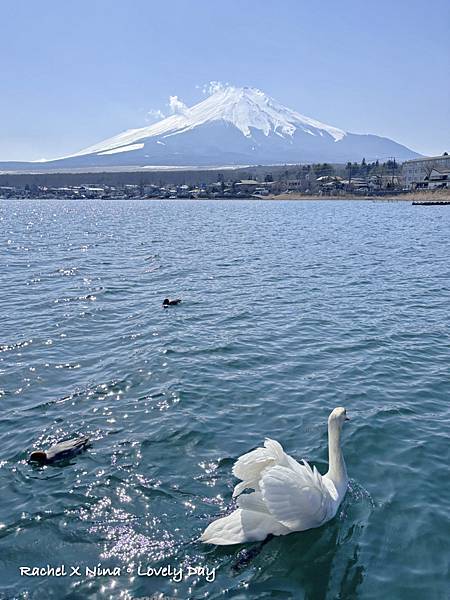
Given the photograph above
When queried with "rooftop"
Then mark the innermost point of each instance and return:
(424, 158)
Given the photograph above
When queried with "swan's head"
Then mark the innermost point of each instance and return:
(338, 416)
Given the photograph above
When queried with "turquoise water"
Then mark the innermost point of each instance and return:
(289, 309)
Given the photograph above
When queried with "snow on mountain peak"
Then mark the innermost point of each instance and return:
(246, 108)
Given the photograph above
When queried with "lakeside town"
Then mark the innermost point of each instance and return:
(321, 180)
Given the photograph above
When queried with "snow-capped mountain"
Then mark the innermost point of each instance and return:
(247, 109)
(233, 126)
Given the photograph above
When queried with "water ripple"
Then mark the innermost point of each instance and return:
(288, 310)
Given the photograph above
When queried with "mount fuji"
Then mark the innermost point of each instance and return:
(233, 126)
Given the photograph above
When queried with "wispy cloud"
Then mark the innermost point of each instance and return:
(212, 87)
(154, 115)
(177, 106)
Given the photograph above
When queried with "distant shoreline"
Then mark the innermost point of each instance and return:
(407, 197)
(417, 196)
(441, 195)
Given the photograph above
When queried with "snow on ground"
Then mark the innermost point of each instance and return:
(122, 149)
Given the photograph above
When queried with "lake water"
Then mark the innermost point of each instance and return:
(289, 309)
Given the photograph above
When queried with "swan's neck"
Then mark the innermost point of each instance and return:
(337, 471)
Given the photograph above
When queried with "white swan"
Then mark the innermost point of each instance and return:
(287, 496)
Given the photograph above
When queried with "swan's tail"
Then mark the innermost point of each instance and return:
(242, 526)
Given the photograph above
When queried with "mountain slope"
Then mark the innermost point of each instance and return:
(232, 126)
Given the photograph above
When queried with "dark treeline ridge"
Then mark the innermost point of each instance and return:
(197, 176)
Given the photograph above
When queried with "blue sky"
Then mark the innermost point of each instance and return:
(73, 73)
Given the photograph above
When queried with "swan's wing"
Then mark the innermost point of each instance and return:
(253, 501)
(296, 498)
(249, 467)
(242, 526)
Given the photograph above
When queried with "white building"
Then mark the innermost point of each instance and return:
(417, 172)
(438, 179)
